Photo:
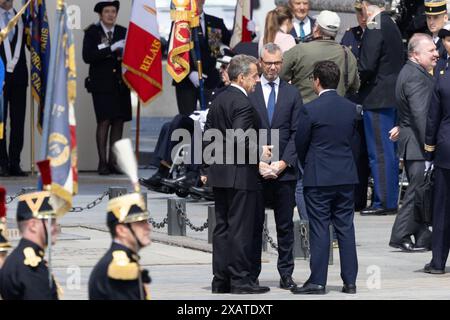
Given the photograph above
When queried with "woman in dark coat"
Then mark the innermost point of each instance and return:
(102, 49)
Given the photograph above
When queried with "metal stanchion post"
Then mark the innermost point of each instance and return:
(176, 225)
(115, 192)
(211, 222)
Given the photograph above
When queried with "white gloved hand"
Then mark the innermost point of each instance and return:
(251, 26)
(428, 165)
(193, 76)
(118, 45)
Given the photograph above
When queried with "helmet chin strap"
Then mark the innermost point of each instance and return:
(139, 244)
(45, 232)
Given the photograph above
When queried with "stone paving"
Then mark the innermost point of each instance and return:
(181, 266)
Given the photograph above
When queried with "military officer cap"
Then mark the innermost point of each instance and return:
(358, 5)
(106, 3)
(126, 209)
(35, 205)
(435, 7)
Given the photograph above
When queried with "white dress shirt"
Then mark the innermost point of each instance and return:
(202, 22)
(325, 90)
(240, 88)
(106, 30)
(306, 26)
(267, 89)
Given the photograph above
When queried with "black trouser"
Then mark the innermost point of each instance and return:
(187, 98)
(326, 205)
(279, 195)
(405, 224)
(232, 237)
(15, 100)
(441, 218)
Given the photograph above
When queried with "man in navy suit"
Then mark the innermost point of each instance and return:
(303, 23)
(278, 104)
(324, 146)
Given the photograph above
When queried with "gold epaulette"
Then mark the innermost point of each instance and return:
(430, 148)
(31, 259)
(121, 268)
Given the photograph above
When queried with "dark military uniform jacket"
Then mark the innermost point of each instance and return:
(353, 38)
(437, 142)
(25, 274)
(105, 70)
(118, 276)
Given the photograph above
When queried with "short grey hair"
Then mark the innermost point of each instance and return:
(240, 64)
(271, 48)
(415, 42)
(326, 33)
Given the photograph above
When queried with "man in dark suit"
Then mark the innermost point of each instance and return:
(303, 23)
(436, 14)
(437, 152)
(353, 39)
(278, 104)
(234, 177)
(381, 60)
(12, 52)
(413, 92)
(212, 34)
(324, 146)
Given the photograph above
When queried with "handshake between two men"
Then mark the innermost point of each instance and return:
(267, 169)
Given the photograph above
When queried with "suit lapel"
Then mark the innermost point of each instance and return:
(261, 105)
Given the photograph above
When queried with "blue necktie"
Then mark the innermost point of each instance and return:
(271, 102)
(11, 33)
(302, 31)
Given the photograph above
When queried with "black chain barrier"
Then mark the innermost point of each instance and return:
(183, 216)
(269, 239)
(304, 239)
(158, 225)
(90, 205)
(10, 199)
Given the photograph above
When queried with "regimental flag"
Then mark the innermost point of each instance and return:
(243, 14)
(2, 110)
(61, 145)
(38, 40)
(185, 16)
(143, 56)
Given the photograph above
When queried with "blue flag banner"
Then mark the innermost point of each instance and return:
(59, 131)
(38, 40)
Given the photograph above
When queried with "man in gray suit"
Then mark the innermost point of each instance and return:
(413, 92)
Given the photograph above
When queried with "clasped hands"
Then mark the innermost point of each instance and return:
(272, 170)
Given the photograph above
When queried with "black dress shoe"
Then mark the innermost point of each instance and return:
(4, 172)
(155, 180)
(17, 172)
(309, 288)
(407, 246)
(204, 192)
(377, 211)
(172, 183)
(249, 289)
(220, 289)
(103, 170)
(349, 288)
(287, 282)
(429, 269)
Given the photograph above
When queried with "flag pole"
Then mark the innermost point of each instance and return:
(33, 168)
(138, 129)
(198, 58)
(45, 125)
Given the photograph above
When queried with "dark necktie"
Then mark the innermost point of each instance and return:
(110, 35)
(271, 102)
